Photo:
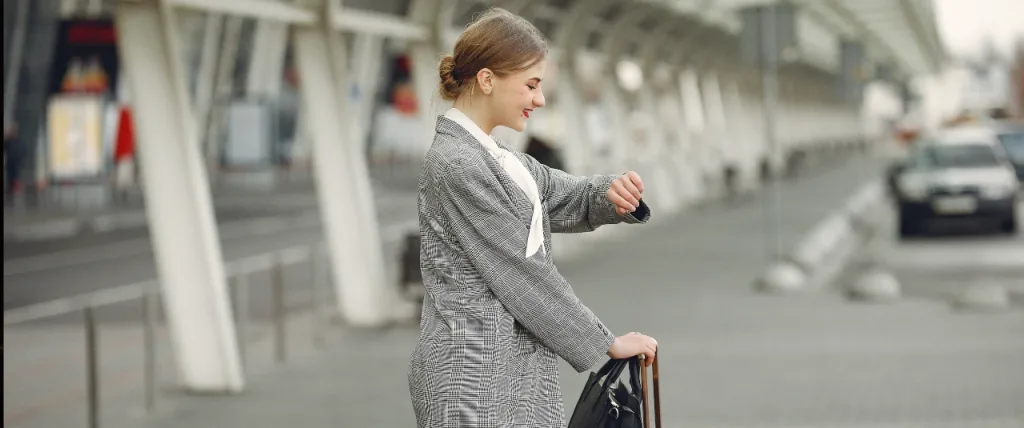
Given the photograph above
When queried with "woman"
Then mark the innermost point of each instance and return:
(497, 314)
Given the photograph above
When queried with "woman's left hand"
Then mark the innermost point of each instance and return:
(625, 192)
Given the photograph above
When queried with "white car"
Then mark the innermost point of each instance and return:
(956, 173)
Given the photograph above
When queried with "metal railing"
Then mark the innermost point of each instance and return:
(239, 273)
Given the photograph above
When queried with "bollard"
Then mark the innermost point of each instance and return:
(91, 368)
(149, 307)
(242, 314)
(279, 309)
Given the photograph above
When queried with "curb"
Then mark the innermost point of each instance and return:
(829, 246)
(982, 297)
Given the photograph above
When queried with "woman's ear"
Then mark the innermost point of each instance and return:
(485, 78)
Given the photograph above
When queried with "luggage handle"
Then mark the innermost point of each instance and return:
(657, 391)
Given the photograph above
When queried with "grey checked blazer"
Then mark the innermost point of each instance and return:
(494, 323)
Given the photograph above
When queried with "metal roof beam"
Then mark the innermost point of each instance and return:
(913, 15)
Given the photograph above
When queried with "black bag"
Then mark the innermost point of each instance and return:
(607, 403)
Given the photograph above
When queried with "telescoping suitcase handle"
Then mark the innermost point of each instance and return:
(657, 392)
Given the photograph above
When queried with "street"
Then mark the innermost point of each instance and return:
(956, 256)
(55, 269)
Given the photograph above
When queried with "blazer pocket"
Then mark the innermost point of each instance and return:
(525, 342)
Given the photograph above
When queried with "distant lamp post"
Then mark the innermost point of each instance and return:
(768, 38)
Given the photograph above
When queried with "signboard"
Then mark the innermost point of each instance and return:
(86, 58)
(250, 132)
(75, 130)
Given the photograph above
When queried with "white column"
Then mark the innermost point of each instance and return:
(784, 119)
(716, 135)
(693, 116)
(268, 48)
(679, 149)
(614, 45)
(223, 82)
(619, 121)
(741, 150)
(664, 106)
(571, 104)
(178, 204)
(653, 155)
(347, 207)
(569, 37)
(425, 56)
(366, 70)
(207, 73)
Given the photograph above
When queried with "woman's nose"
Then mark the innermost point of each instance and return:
(538, 101)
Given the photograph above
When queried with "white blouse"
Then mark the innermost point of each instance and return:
(515, 169)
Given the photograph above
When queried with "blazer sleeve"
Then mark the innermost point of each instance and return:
(580, 204)
(532, 290)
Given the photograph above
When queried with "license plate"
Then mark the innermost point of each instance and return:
(955, 205)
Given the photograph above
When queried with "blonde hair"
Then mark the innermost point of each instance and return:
(498, 40)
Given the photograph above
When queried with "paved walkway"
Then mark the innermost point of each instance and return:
(730, 357)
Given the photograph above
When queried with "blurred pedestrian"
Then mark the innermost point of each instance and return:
(544, 153)
(497, 314)
(13, 160)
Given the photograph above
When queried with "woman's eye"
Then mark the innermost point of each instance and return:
(531, 87)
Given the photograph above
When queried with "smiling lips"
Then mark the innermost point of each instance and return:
(526, 113)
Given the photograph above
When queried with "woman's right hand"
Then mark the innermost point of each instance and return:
(633, 344)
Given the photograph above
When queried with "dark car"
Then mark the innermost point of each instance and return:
(956, 173)
(1011, 136)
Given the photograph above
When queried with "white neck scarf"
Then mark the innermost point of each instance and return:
(515, 169)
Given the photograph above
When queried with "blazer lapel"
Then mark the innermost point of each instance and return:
(523, 206)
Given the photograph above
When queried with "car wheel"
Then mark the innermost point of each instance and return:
(1009, 225)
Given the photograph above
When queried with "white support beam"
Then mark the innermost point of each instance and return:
(927, 40)
(206, 78)
(691, 132)
(570, 38)
(379, 24)
(224, 80)
(869, 35)
(366, 73)
(347, 208)
(613, 46)
(267, 61)
(716, 135)
(425, 54)
(178, 202)
(257, 9)
(518, 7)
(672, 134)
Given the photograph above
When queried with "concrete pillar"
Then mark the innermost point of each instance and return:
(206, 78)
(715, 131)
(267, 61)
(693, 117)
(656, 161)
(613, 95)
(668, 151)
(570, 37)
(223, 82)
(366, 72)
(578, 159)
(742, 149)
(347, 207)
(178, 202)
(425, 56)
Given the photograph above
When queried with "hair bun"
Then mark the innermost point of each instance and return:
(450, 86)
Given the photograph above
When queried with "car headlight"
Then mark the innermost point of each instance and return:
(915, 190)
(1004, 190)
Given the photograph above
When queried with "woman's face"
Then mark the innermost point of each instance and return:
(516, 96)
